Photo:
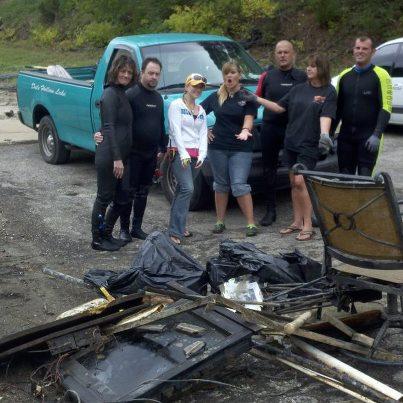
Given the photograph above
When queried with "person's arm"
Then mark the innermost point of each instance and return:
(175, 129)
(162, 146)
(270, 105)
(327, 115)
(259, 88)
(109, 116)
(325, 124)
(385, 95)
(202, 141)
(207, 104)
(109, 113)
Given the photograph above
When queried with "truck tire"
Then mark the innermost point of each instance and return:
(52, 149)
(202, 194)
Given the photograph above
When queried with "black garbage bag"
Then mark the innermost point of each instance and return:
(238, 258)
(157, 263)
(309, 269)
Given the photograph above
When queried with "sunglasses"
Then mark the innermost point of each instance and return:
(198, 77)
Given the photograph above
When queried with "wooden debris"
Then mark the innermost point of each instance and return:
(194, 348)
(186, 306)
(291, 327)
(152, 328)
(340, 366)
(314, 374)
(106, 294)
(358, 337)
(190, 329)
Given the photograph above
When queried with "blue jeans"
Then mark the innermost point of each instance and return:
(183, 193)
(230, 170)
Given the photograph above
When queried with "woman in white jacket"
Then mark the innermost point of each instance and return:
(188, 148)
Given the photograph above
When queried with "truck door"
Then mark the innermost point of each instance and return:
(102, 80)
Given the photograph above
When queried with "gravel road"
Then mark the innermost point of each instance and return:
(45, 221)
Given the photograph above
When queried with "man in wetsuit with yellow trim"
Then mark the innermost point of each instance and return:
(364, 106)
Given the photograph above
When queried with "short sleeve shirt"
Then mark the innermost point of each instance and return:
(306, 105)
(229, 121)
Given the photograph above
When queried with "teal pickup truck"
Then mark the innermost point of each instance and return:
(64, 108)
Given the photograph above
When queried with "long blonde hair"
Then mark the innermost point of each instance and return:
(226, 68)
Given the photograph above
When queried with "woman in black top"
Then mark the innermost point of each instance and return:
(230, 148)
(112, 153)
(311, 107)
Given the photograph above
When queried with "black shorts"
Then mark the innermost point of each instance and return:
(290, 158)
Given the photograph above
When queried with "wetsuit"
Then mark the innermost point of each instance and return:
(273, 85)
(116, 118)
(364, 106)
(148, 138)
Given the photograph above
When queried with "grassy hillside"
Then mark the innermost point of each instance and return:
(74, 32)
(16, 56)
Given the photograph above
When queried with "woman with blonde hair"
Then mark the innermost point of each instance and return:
(188, 149)
(230, 149)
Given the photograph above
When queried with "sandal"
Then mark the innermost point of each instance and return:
(289, 230)
(175, 240)
(187, 234)
(305, 235)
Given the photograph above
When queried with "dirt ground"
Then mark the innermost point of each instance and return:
(45, 222)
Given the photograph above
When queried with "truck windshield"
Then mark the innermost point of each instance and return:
(206, 58)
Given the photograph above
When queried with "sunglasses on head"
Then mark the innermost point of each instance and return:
(199, 77)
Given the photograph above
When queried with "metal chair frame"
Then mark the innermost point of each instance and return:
(394, 291)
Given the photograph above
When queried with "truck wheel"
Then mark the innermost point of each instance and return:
(53, 150)
(202, 195)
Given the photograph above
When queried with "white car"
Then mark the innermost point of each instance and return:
(389, 56)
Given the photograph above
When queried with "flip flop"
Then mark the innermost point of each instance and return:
(175, 240)
(289, 230)
(305, 235)
(187, 234)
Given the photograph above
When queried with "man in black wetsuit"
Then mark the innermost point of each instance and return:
(149, 143)
(364, 105)
(273, 85)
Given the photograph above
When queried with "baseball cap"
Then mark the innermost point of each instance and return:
(196, 79)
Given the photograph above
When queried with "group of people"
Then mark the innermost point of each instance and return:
(301, 112)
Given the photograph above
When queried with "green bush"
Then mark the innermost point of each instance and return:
(7, 34)
(212, 17)
(46, 36)
(96, 35)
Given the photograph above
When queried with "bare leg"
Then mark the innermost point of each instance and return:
(297, 202)
(221, 202)
(306, 206)
(246, 206)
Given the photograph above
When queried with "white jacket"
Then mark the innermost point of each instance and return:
(185, 131)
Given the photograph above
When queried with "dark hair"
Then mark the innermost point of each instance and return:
(364, 38)
(118, 64)
(148, 60)
(322, 64)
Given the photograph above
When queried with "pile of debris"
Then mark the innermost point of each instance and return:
(168, 332)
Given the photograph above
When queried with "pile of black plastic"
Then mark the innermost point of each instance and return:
(160, 262)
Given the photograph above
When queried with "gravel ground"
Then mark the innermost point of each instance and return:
(45, 221)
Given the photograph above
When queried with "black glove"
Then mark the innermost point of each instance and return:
(372, 144)
(248, 96)
(325, 143)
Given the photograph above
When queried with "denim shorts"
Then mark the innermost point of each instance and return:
(230, 170)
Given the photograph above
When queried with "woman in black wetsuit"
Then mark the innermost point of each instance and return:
(112, 153)
(311, 107)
